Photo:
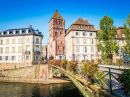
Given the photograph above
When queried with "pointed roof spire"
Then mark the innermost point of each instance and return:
(56, 15)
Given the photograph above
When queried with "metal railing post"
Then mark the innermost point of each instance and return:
(110, 85)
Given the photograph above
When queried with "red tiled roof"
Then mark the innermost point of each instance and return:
(82, 22)
(56, 15)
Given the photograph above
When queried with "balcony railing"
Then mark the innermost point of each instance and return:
(37, 52)
(27, 52)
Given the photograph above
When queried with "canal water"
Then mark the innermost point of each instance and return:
(38, 90)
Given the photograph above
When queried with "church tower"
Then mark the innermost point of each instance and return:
(56, 44)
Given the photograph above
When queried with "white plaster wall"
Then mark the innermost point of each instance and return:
(10, 45)
(39, 44)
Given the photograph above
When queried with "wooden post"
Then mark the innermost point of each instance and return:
(110, 85)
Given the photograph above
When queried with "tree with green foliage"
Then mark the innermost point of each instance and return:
(126, 32)
(45, 58)
(106, 43)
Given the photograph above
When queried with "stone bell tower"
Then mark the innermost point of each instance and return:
(56, 45)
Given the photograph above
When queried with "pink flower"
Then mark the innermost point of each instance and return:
(122, 87)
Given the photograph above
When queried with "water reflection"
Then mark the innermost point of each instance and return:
(38, 90)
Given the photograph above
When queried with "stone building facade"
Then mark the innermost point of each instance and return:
(119, 38)
(20, 46)
(56, 45)
(81, 41)
(44, 51)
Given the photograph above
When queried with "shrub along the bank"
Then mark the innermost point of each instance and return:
(108, 61)
(119, 61)
(64, 64)
(55, 62)
(43, 62)
(99, 61)
(124, 79)
(90, 71)
(72, 66)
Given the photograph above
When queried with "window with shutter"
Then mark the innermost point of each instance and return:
(7, 49)
(77, 41)
(6, 58)
(1, 41)
(7, 41)
(0, 58)
(27, 57)
(85, 49)
(37, 40)
(13, 41)
(77, 49)
(1, 50)
(13, 49)
(13, 57)
(92, 49)
(85, 41)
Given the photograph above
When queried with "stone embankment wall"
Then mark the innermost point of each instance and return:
(24, 72)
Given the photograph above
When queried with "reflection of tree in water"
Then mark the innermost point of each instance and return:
(36, 91)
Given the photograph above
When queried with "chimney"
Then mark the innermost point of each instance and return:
(96, 28)
(30, 26)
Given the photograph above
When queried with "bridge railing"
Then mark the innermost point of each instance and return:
(92, 89)
(108, 81)
(113, 84)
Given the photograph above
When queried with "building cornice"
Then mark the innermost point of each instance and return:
(21, 35)
(79, 30)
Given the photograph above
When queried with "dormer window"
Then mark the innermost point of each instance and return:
(77, 33)
(20, 31)
(91, 34)
(26, 30)
(87, 27)
(10, 32)
(4, 33)
(80, 27)
(123, 35)
(14, 31)
(84, 34)
(36, 31)
(7, 32)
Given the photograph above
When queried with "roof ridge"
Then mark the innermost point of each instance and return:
(82, 22)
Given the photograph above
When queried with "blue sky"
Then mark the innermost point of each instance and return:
(21, 13)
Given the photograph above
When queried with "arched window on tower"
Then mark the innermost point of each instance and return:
(55, 33)
(59, 22)
(55, 21)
